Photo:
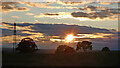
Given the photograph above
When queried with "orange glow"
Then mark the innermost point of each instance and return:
(69, 38)
(95, 35)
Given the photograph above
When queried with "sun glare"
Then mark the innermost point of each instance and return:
(69, 38)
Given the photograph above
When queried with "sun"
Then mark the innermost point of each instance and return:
(69, 38)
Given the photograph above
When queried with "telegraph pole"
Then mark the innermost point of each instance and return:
(14, 37)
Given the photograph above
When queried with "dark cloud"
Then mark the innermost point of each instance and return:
(91, 8)
(79, 14)
(61, 30)
(21, 25)
(51, 14)
(22, 8)
(10, 24)
(112, 11)
(55, 29)
(8, 32)
(98, 14)
(12, 6)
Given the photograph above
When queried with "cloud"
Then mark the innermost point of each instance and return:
(29, 14)
(15, 16)
(47, 5)
(94, 13)
(108, 3)
(107, 13)
(12, 6)
(10, 26)
(54, 15)
(35, 4)
(50, 35)
(47, 15)
(87, 37)
(105, 3)
(55, 29)
(79, 14)
(82, 2)
(42, 5)
(94, 35)
(91, 8)
(22, 9)
(72, 2)
(50, 14)
(62, 15)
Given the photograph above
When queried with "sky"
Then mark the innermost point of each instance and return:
(48, 23)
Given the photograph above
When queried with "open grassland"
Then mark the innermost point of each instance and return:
(78, 59)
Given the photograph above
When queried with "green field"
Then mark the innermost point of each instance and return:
(79, 59)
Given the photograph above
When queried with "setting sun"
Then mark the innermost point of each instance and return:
(69, 38)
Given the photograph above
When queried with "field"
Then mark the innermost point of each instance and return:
(79, 59)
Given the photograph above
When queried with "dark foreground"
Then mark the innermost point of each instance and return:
(79, 59)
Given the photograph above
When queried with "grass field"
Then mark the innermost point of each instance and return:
(79, 59)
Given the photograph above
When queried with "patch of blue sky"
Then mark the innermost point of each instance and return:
(111, 24)
(21, 5)
(60, 5)
(21, 15)
(56, 4)
(37, 10)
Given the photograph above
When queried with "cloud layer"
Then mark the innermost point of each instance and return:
(60, 30)
(107, 13)
(12, 6)
(50, 35)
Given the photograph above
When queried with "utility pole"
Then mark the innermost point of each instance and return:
(14, 37)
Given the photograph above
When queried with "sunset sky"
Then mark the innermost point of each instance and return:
(48, 23)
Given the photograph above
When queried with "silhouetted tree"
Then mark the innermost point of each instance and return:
(78, 46)
(60, 49)
(26, 45)
(105, 49)
(69, 50)
(84, 45)
(64, 49)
